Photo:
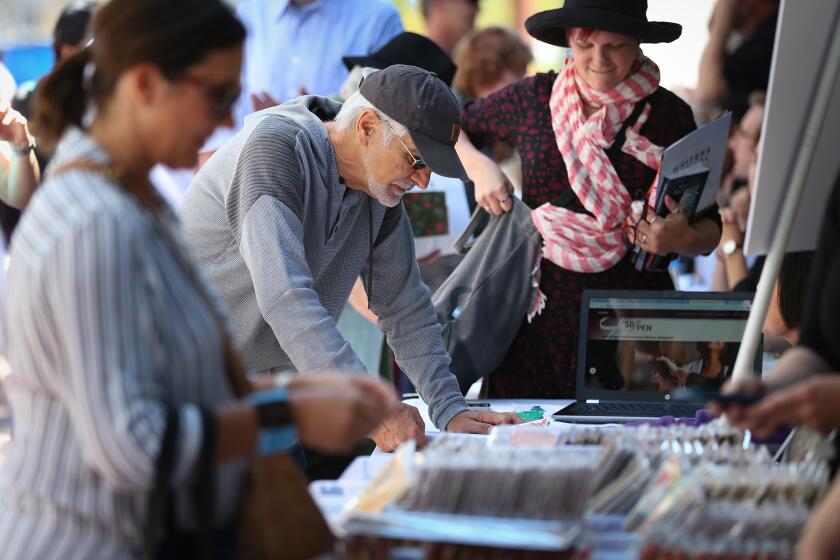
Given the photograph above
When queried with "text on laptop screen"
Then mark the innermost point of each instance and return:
(664, 344)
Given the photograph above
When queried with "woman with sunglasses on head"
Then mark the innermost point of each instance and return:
(113, 332)
(579, 179)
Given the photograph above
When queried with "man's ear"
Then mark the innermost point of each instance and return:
(366, 126)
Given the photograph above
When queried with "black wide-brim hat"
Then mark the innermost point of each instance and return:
(628, 17)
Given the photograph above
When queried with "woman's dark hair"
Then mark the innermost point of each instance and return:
(793, 283)
(172, 34)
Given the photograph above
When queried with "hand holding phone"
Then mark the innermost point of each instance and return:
(694, 394)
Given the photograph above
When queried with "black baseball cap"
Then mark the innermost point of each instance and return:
(421, 102)
(72, 25)
(408, 48)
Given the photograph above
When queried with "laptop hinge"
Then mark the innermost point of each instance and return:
(592, 401)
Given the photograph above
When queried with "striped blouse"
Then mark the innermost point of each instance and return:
(104, 327)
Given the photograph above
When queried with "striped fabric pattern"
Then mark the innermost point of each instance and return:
(580, 242)
(104, 328)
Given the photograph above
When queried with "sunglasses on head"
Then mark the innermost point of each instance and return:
(416, 162)
(222, 97)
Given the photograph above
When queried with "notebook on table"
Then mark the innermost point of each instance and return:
(638, 347)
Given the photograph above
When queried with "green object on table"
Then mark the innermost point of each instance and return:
(531, 415)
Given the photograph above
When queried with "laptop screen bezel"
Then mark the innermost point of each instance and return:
(584, 394)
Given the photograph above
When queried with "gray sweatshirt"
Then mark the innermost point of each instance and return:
(283, 241)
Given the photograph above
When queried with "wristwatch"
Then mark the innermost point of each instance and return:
(274, 414)
(26, 150)
(729, 246)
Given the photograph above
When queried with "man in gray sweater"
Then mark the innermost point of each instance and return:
(305, 199)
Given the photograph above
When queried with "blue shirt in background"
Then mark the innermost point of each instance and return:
(291, 46)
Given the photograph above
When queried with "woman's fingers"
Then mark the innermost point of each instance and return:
(499, 201)
(642, 231)
(506, 203)
(671, 204)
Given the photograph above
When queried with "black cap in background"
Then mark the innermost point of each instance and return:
(421, 102)
(408, 48)
(72, 25)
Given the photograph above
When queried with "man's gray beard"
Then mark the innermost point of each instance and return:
(378, 190)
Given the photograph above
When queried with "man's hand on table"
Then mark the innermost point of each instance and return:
(403, 424)
(480, 421)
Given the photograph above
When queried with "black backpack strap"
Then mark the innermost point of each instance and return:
(204, 490)
(621, 136)
(568, 195)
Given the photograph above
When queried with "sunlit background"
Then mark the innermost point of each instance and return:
(26, 27)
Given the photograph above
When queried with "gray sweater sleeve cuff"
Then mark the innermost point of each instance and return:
(448, 411)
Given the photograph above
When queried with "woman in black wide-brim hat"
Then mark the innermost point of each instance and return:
(564, 124)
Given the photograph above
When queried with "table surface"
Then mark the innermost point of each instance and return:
(333, 495)
(499, 405)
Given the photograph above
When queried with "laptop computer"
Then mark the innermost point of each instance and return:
(638, 347)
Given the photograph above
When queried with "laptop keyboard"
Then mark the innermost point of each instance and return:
(651, 410)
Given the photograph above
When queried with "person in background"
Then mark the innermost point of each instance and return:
(804, 386)
(743, 144)
(303, 201)
(596, 90)
(295, 47)
(488, 60)
(115, 329)
(736, 60)
(790, 291)
(733, 272)
(19, 170)
(406, 48)
(69, 36)
(7, 84)
(447, 21)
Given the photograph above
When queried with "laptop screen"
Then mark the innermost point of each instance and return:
(643, 347)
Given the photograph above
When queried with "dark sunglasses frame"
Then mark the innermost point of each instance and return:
(222, 97)
(416, 162)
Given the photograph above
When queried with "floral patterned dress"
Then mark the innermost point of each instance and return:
(542, 359)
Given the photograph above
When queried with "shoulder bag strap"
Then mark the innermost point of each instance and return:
(621, 136)
(156, 513)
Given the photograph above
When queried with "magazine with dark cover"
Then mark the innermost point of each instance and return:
(690, 174)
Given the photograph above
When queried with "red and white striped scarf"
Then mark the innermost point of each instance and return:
(577, 241)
